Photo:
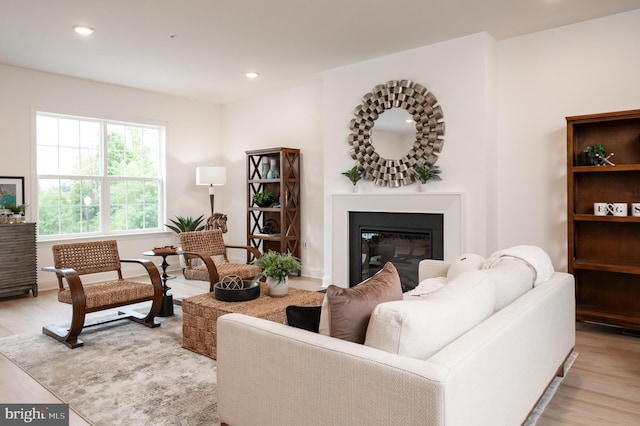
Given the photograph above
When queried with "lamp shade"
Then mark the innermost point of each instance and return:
(211, 175)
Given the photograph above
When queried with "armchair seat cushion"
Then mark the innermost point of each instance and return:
(244, 271)
(108, 293)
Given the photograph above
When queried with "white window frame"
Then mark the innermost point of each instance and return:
(104, 178)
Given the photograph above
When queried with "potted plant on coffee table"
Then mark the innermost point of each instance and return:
(277, 267)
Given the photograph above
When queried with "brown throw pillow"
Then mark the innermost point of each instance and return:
(351, 308)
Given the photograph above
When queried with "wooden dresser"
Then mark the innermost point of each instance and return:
(18, 268)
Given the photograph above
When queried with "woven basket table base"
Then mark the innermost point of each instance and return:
(200, 314)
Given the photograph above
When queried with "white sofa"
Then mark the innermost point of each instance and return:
(493, 374)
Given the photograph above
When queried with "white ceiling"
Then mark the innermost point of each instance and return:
(201, 48)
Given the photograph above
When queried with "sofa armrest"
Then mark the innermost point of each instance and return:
(273, 374)
(431, 268)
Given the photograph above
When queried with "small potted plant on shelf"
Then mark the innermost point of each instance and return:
(276, 267)
(354, 174)
(594, 154)
(424, 173)
(264, 198)
(18, 211)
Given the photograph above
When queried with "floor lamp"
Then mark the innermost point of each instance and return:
(211, 176)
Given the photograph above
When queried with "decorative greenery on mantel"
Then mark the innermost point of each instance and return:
(354, 174)
(424, 173)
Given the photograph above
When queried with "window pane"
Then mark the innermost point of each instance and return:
(76, 146)
(69, 133)
(90, 135)
(70, 220)
(118, 217)
(69, 161)
(47, 131)
(115, 150)
(151, 193)
(47, 157)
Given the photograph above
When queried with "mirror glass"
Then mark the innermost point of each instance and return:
(393, 133)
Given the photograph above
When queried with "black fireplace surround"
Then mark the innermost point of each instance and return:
(403, 239)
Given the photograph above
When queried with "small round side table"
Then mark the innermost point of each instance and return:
(167, 299)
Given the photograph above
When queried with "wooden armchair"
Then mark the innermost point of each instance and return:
(209, 247)
(73, 260)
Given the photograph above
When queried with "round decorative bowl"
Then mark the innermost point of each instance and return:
(237, 291)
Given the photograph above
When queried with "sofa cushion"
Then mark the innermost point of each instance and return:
(346, 311)
(464, 263)
(420, 328)
(512, 278)
(305, 317)
(425, 288)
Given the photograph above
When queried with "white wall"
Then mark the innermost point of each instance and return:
(457, 72)
(584, 68)
(193, 138)
(292, 119)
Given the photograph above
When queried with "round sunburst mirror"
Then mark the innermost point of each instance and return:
(423, 145)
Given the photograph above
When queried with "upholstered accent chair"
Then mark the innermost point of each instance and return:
(101, 257)
(205, 255)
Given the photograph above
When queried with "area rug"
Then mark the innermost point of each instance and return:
(124, 374)
(551, 390)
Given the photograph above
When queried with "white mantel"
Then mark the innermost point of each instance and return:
(447, 203)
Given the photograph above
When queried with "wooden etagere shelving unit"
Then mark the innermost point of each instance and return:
(604, 251)
(284, 216)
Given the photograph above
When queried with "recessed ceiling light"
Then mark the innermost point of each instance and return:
(83, 30)
(252, 75)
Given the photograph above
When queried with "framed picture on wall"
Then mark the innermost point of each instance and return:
(11, 190)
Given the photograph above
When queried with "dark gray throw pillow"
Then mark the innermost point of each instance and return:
(305, 317)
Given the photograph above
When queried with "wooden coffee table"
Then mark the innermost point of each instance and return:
(200, 314)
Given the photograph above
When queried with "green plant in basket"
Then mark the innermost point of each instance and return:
(277, 266)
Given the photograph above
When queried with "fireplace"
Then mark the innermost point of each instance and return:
(403, 239)
(448, 204)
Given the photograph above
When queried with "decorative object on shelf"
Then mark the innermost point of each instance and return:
(277, 267)
(265, 169)
(596, 155)
(422, 106)
(635, 209)
(273, 170)
(211, 176)
(16, 214)
(600, 209)
(232, 288)
(186, 224)
(270, 227)
(264, 198)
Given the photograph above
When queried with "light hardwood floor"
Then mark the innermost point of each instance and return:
(602, 387)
